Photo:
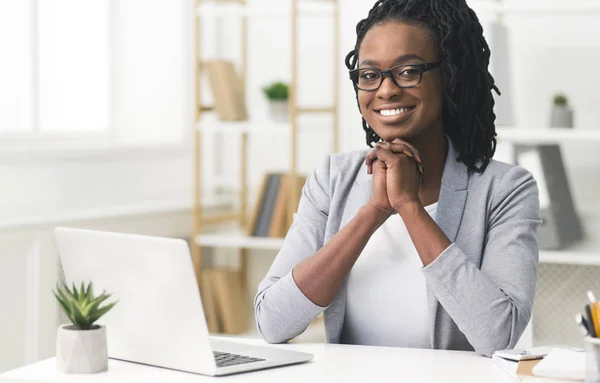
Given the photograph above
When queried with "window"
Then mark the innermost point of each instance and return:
(56, 67)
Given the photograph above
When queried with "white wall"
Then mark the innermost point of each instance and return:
(54, 184)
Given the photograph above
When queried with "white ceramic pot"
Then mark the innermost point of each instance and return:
(81, 351)
(561, 117)
(280, 111)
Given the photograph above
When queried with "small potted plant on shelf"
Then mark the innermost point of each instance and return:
(278, 93)
(81, 347)
(561, 115)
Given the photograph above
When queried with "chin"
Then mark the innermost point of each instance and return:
(390, 133)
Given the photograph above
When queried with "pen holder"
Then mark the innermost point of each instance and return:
(592, 360)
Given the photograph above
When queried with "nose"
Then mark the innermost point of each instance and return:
(388, 89)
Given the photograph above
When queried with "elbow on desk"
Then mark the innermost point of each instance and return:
(499, 339)
(488, 350)
(268, 328)
(271, 335)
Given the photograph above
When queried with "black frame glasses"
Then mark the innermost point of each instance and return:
(420, 68)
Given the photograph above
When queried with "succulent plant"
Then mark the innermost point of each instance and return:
(277, 91)
(560, 100)
(81, 306)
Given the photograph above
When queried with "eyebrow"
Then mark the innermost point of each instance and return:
(398, 60)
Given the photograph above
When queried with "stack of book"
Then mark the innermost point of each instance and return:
(224, 301)
(273, 212)
(227, 90)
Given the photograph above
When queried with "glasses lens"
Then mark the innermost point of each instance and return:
(407, 76)
(368, 79)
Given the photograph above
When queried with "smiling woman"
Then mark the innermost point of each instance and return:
(424, 240)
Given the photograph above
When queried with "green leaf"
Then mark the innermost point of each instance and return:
(93, 305)
(98, 314)
(63, 303)
(72, 293)
(90, 291)
(277, 91)
(78, 319)
(62, 294)
(82, 294)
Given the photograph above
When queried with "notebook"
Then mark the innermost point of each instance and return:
(563, 364)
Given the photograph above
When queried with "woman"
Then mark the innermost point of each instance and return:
(423, 241)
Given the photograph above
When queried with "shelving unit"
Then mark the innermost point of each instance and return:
(534, 135)
(207, 123)
(261, 127)
(239, 240)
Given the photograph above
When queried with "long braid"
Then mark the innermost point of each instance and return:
(468, 106)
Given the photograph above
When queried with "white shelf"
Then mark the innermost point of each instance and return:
(239, 241)
(260, 127)
(547, 135)
(536, 8)
(276, 9)
(571, 257)
(584, 253)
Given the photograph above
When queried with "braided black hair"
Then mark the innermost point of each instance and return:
(468, 114)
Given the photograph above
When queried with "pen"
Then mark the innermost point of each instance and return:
(583, 325)
(590, 321)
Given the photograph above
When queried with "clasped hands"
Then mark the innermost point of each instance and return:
(397, 171)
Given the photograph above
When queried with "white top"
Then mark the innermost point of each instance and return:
(332, 363)
(389, 263)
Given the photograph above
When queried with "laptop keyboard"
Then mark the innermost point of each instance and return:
(224, 359)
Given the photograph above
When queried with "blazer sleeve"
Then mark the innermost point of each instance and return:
(281, 310)
(491, 303)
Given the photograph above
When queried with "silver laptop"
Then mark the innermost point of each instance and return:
(159, 320)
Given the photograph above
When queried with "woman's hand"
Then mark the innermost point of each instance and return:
(403, 169)
(379, 196)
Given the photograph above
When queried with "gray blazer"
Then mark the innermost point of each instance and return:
(480, 289)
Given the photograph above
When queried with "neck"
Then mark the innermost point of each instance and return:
(433, 150)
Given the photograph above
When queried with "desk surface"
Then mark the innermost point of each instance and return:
(332, 363)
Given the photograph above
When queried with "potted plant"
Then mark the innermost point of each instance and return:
(561, 115)
(81, 347)
(278, 93)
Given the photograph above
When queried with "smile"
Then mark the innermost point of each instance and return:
(395, 112)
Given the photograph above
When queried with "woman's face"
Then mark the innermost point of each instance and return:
(383, 47)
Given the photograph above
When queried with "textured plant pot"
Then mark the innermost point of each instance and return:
(280, 111)
(561, 117)
(81, 351)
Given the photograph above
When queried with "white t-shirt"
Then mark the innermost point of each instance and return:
(386, 304)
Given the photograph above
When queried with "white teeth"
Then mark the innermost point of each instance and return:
(393, 112)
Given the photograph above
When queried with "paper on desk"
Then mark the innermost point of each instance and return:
(563, 364)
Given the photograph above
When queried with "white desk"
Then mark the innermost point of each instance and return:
(332, 363)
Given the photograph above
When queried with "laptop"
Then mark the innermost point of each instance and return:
(159, 320)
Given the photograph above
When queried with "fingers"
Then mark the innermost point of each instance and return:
(401, 148)
(371, 157)
(387, 151)
(410, 146)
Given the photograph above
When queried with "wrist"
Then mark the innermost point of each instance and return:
(409, 209)
(374, 214)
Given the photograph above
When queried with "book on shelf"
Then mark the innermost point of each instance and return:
(223, 300)
(209, 302)
(227, 89)
(272, 211)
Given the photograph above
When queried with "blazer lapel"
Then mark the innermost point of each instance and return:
(448, 216)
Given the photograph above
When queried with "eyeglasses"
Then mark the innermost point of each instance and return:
(403, 76)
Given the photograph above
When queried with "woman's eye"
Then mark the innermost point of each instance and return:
(409, 72)
(369, 75)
